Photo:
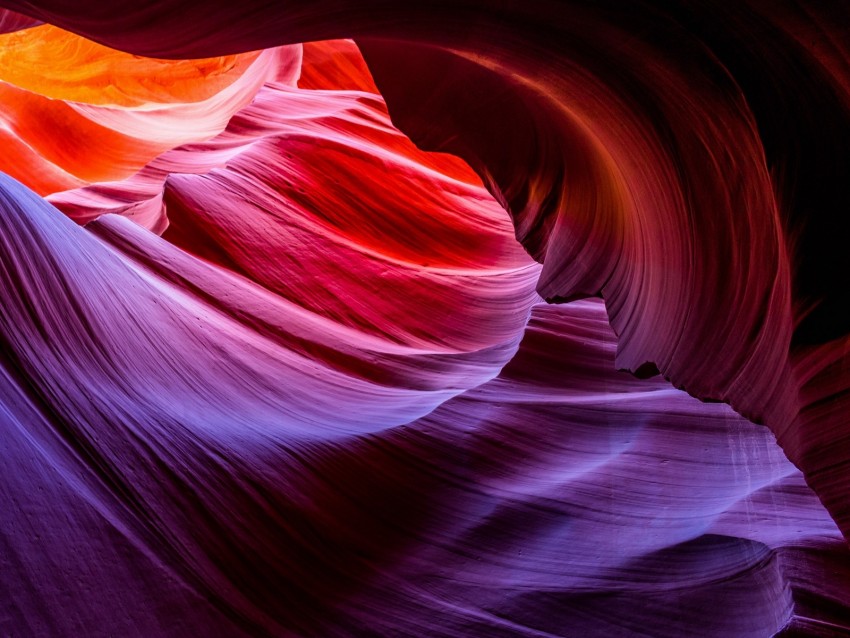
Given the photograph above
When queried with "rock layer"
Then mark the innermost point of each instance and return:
(681, 160)
(302, 410)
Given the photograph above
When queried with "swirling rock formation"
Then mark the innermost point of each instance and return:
(619, 138)
(62, 93)
(316, 404)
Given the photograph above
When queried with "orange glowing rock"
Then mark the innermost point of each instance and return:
(64, 66)
(77, 112)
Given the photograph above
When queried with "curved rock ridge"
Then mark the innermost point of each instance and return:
(683, 160)
(208, 463)
(328, 191)
(352, 110)
(77, 112)
(125, 357)
(311, 391)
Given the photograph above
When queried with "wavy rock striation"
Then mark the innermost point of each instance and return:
(316, 405)
(664, 156)
(226, 463)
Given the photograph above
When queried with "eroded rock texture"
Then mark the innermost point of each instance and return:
(270, 368)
